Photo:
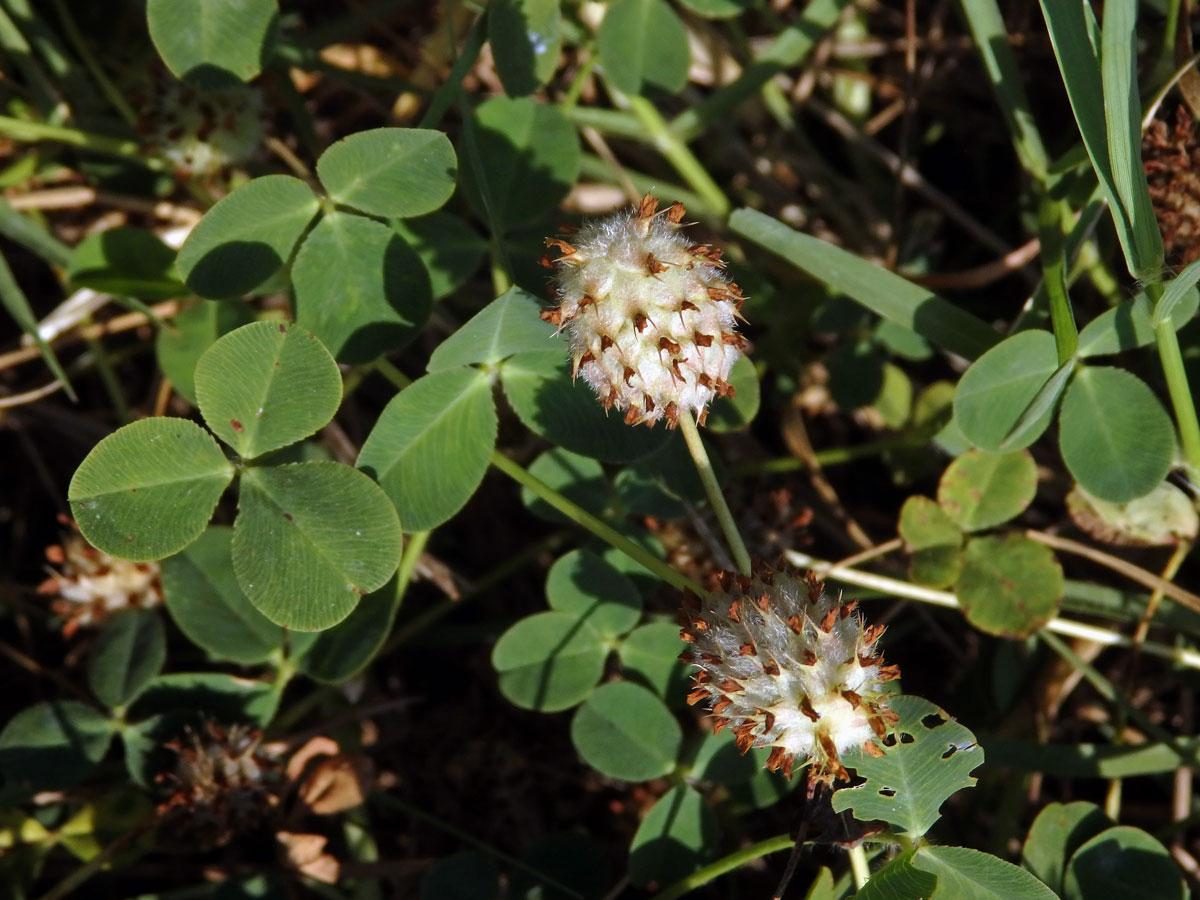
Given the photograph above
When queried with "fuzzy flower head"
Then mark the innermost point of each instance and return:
(201, 132)
(650, 315)
(786, 666)
(90, 585)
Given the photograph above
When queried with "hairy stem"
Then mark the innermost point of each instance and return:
(691, 435)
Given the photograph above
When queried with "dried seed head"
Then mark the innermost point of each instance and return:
(1171, 158)
(201, 132)
(223, 784)
(786, 666)
(90, 585)
(650, 316)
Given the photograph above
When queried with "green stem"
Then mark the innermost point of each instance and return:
(695, 445)
(677, 153)
(858, 866)
(1179, 391)
(727, 864)
(575, 88)
(596, 526)
(32, 132)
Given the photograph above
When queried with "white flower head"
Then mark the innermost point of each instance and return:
(650, 316)
(786, 666)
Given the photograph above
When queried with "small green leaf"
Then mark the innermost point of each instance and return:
(509, 324)
(359, 287)
(965, 874)
(584, 585)
(193, 331)
(933, 541)
(128, 653)
(148, 489)
(529, 156)
(548, 661)
(1058, 831)
(1123, 863)
(1129, 325)
(213, 43)
(578, 478)
(650, 656)
(127, 262)
(432, 445)
(994, 392)
(344, 650)
(526, 42)
(981, 490)
(738, 411)
(267, 385)
(678, 833)
(247, 236)
(643, 46)
(1010, 586)
(1114, 435)
(539, 387)
(449, 249)
(391, 172)
(626, 732)
(899, 880)
(205, 601)
(310, 540)
(216, 695)
(52, 746)
(931, 758)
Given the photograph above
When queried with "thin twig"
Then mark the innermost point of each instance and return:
(1068, 627)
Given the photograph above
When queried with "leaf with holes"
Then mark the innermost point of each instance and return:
(932, 758)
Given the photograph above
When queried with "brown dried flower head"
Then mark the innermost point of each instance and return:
(786, 666)
(223, 784)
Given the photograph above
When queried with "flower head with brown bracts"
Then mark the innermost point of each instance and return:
(650, 315)
(89, 584)
(787, 666)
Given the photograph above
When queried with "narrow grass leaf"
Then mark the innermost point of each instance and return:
(18, 307)
(1177, 289)
(992, 43)
(884, 293)
(1123, 111)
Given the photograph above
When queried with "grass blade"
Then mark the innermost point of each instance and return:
(1118, 71)
(883, 292)
(991, 40)
(18, 307)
